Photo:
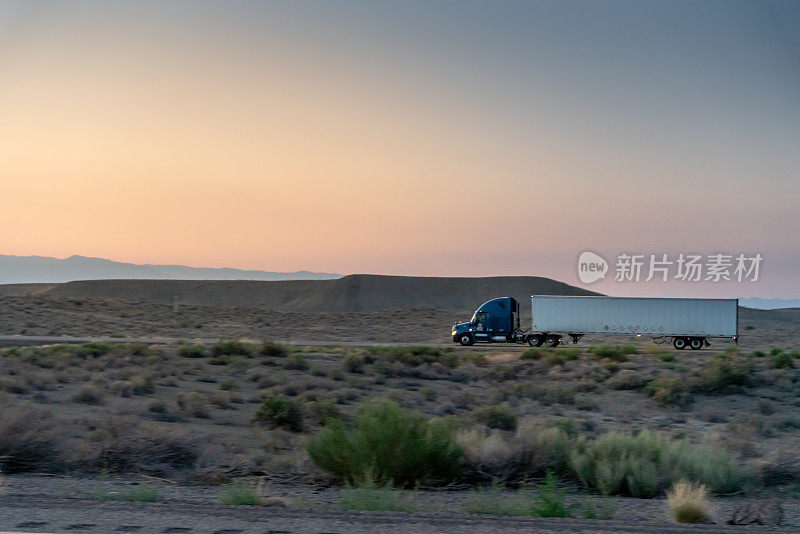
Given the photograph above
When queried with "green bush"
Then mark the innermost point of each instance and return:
(500, 417)
(92, 350)
(617, 353)
(140, 494)
(192, 351)
(238, 495)
(644, 464)
(757, 354)
(723, 373)
(781, 360)
(549, 501)
(388, 446)
(668, 390)
(296, 362)
(533, 353)
(232, 348)
(278, 411)
(372, 498)
(270, 348)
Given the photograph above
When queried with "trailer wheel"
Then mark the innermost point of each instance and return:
(535, 340)
(552, 341)
(679, 343)
(696, 343)
(466, 340)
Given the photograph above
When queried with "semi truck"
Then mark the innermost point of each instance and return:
(687, 322)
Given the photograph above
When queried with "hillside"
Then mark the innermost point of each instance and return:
(354, 293)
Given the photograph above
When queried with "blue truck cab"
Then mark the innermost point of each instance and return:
(496, 320)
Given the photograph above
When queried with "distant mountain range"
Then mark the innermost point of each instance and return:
(40, 269)
(769, 304)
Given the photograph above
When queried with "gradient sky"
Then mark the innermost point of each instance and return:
(420, 138)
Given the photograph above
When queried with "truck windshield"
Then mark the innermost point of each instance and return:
(479, 317)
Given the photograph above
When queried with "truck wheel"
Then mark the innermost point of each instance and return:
(679, 343)
(466, 340)
(696, 343)
(552, 341)
(535, 340)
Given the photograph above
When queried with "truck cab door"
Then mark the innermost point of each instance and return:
(480, 326)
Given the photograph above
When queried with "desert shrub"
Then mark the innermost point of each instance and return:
(192, 351)
(28, 441)
(495, 501)
(478, 359)
(412, 356)
(232, 348)
(644, 464)
(553, 394)
(389, 446)
(499, 416)
(775, 351)
(92, 350)
(617, 353)
(271, 348)
(278, 411)
(373, 498)
(123, 388)
(669, 390)
(626, 379)
(142, 385)
(13, 385)
(194, 404)
(120, 447)
(296, 362)
(723, 373)
(353, 363)
(228, 385)
(140, 494)
(688, 502)
(88, 394)
(533, 353)
(781, 360)
(545, 449)
(320, 411)
(598, 509)
(757, 354)
(219, 400)
(157, 406)
(136, 349)
(549, 500)
(238, 494)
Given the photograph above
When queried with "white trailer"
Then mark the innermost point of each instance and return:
(689, 322)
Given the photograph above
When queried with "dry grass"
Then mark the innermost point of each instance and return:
(689, 502)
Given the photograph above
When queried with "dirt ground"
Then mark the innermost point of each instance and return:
(50, 316)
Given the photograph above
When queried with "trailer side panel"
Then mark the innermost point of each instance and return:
(624, 315)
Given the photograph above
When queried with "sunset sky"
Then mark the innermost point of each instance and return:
(421, 138)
